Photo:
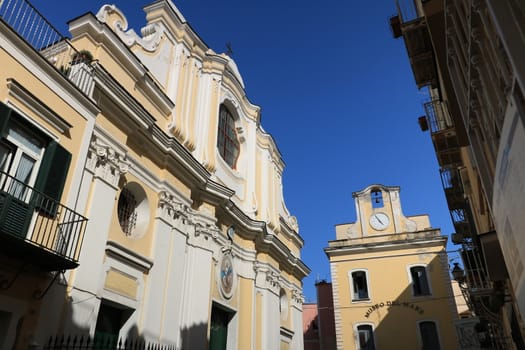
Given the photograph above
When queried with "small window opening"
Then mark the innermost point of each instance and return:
(365, 337)
(419, 281)
(377, 198)
(360, 285)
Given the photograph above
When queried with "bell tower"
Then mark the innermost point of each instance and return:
(379, 212)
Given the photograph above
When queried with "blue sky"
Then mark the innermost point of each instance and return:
(337, 94)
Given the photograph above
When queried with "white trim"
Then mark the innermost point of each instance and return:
(356, 333)
(351, 283)
(418, 329)
(411, 283)
(15, 89)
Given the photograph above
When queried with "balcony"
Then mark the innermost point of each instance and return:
(413, 27)
(37, 32)
(457, 204)
(36, 229)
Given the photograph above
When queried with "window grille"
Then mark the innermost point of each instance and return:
(127, 211)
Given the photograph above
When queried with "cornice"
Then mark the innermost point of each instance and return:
(383, 187)
(38, 107)
(339, 248)
(290, 228)
(102, 33)
(124, 100)
(124, 254)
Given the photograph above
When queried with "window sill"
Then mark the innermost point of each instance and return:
(362, 300)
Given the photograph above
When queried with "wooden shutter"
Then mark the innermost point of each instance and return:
(53, 172)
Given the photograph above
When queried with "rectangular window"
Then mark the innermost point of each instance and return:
(420, 284)
(365, 337)
(359, 285)
(429, 335)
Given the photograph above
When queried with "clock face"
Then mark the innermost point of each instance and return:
(226, 275)
(379, 221)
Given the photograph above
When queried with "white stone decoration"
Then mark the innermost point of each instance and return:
(151, 34)
(171, 210)
(267, 278)
(292, 221)
(106, 163)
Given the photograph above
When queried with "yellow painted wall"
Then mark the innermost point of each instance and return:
(389, 284)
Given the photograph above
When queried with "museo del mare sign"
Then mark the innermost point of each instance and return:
(392, 303)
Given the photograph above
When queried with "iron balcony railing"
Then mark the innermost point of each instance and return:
(40, 34)
(30, 216)
(102, 342)
(407, 10)
(437, 116)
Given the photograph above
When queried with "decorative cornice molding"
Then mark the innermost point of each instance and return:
(128, 256)
(151, 33)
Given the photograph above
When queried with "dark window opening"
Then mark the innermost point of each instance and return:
(220, 318)
(377, 198)
(365, 335)
(360, 285)
(419, 281)
(110, 320)
(429, 335)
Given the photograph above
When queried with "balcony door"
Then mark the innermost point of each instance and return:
(20, 154)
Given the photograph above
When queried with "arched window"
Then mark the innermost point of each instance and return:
(419, 278)
(365, 337)
(227, 142)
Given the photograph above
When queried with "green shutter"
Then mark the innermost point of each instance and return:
(15, 215)
(53, 171)
(5, 113)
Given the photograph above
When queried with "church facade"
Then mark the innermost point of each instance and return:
(164, 218)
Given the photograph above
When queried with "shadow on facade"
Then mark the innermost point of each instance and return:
(195, 337)
(407, 320)
(51, 322)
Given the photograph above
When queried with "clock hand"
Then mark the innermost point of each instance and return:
(381, 222)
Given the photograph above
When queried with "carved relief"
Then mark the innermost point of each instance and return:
(266, 278)
(172, 210)
(297, 297)
(106, 163)
(292, 221)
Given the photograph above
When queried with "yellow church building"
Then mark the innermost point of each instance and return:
(140, 197)
(390, 279)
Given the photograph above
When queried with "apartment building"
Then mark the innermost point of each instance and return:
(469, 56)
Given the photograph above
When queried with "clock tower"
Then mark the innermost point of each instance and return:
(378, 211)
(387, 270)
